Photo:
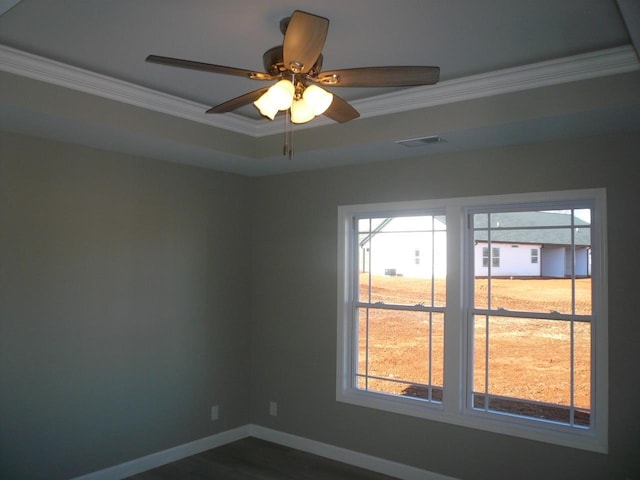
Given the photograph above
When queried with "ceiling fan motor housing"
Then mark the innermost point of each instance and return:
(273, 62)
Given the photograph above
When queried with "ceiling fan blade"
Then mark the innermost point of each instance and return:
(341, 111)
(402, 76)
(303, 41)
(238, 102)
(209, 67)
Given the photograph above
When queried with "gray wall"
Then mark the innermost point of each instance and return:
(294, 306)
(123, 307)
(134, 294)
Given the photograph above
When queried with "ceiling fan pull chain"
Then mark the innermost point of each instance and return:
(290, 137)
(287, 148)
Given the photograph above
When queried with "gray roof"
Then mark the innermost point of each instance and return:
(527, 227)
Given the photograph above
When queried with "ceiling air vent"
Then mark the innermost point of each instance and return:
(419, 142)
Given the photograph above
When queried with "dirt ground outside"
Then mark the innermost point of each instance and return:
(528, 359)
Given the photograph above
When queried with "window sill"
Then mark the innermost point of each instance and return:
(539, 430)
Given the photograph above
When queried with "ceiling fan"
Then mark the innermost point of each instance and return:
(297, 65)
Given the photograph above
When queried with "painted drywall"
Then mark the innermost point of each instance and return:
(294, 306)
(123, 306)
(134, 294)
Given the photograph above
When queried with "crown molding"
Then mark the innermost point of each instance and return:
(569, 69)
(50, 71)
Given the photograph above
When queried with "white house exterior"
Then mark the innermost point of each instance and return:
(557, 262)
(405, 246)
(531, 260)
(532, 244)
(507, 259)
(536, 244)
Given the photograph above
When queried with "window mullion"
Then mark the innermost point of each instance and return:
(454, 333)
(433, 303)
(369, 293)
(572, 343)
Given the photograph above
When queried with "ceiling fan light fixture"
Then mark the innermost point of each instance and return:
(281, 94)
(317, 98)
(301, 111)
(278, 97)
(266, 107)
(297, 63)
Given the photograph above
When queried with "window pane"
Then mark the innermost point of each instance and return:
(412, 223)
(530, 359)
(397, 278)
(518, 219)
(479, 353)
(560, 253)
(533, 261)
(361, 383)
(529, 367)
(519, 378)
(536, 280)
(440, 269)
(398, 345)
(437, 349)
(403, 260)
(400, 349)
(480, 220)
(534, 295)
(531, 409)
(440, 222)
(582, 364)
(405, 389)
(364, 269)
(367, 225)
(582, 216)
(528, 230)
(481, 292)
(362, 349)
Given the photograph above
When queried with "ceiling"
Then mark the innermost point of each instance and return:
(512, 71)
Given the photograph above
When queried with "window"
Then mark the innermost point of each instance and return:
(495, 256)
(467, 335)
(387, 307)
(534, 255)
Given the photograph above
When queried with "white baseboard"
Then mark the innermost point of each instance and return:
(154, 460)
(339, 454)
(158, 459)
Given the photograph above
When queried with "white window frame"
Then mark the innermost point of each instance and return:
(454, 408)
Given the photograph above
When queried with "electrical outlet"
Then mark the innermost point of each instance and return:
(215, 413)
(273, 409)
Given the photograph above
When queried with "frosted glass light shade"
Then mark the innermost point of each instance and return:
(281, 94)
(266, 107)
(278, 97)
(318, 99)
(301, 111)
